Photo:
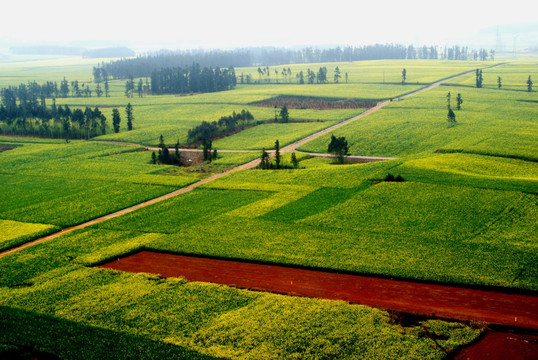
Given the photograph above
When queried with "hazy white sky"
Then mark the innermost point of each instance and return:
(237, 23)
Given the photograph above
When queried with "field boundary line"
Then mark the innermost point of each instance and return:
(250, 165)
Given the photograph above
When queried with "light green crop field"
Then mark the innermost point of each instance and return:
(513, 76)
(50, 184)
(466, 214)
(489, 122)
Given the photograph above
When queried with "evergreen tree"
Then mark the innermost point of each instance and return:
(64, 88)
(459, 101)
(207, 144)
(499, 82)
(140, 87)
(529, 84)
(284, 114)
(294, 161)
(337, 75)
(404, 75)
(479, 78)
(106, 88)
(451, 117)
(264, 164)
(278, 158)
(130, 116)
(116, 119)
(301, 77)
(448, 100)
(98, 90)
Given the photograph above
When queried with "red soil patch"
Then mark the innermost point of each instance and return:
(430, 300)
(502, 346)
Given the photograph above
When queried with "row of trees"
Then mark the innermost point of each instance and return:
(277, 162)
(56, 122)
(479, 79)
(192, 79)
(206, 132)
(61, 121)
(32, 95)
(143, 66)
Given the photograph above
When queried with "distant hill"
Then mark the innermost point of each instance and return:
(108, 52)
(45, 50)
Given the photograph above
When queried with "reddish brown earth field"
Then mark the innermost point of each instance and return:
(502, 346)
(430, 300)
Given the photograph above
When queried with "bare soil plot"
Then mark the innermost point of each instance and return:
(429, 300)
(502, 346)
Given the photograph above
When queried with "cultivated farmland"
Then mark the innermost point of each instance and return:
(465, 214)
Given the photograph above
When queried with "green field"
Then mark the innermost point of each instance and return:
(465, 214)
(487, 123)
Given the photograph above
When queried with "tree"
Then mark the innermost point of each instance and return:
(129, 87)
(499, 82)
(264, 164)
(448, 100)
(337, 75)
(294, 161)
(404, 75)
(479, 78)
(106, 88)
(451, 117)
(130, 116)
(529, 84)
(207, 144)
(278, 158)
(153, 158)
(98, 90)
(459, 101)
(301, 77)
(284, 114)
(64, 88)
(116, 119)
(338, 146)
(140, 87)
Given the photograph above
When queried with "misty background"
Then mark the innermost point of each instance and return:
(503, 26)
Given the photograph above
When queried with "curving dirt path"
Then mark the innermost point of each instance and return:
(431, 300)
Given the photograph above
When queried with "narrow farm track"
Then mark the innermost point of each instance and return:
(431, 300)
(249, 165)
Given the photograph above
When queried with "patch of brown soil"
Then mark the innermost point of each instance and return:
(430, 300)
(502, 346)
(311, 102)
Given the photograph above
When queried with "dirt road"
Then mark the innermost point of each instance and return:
(250, 165)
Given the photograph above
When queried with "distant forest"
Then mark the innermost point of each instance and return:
(192, 79)
(144, 66)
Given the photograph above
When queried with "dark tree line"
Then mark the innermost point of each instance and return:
(56, 122)
(143, 66)
(206, 132)
(184, 80)
(32, 94)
